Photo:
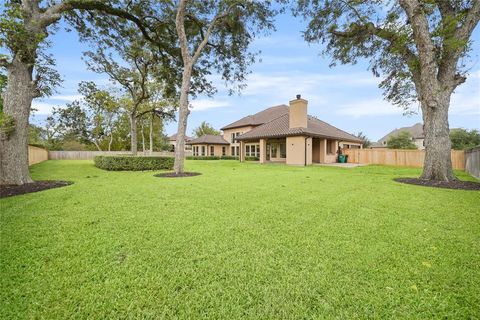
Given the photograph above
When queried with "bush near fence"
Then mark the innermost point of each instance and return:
(131, 163)
(211, 158)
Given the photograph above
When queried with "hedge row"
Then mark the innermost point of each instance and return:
(131, 163)
(211, 158)
(252, 158)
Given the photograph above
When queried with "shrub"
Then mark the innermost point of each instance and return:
(211, 158)
(131, 163)
(252, 158)
(229, 158)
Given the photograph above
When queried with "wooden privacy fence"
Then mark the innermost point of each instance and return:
(36, 155)
(397, 157)
(89, 155)
(472, 161)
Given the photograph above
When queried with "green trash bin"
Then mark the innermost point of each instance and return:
(341, 158)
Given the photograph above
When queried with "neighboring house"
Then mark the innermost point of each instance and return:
(209, 145)
(416, 131)
(286, 134)
(172, 141)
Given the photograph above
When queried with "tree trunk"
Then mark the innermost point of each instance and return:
(17, 103)
(133, 134)
(150, 138)
(182, 120)
(143, 139)
(97, 145)
(110, 141)
(438, 161)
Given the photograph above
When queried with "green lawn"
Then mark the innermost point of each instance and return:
(240, 241)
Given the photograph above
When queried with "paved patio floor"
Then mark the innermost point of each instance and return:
(341, 165)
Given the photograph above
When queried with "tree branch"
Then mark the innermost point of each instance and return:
(4, 63)
(210, 28)
(53, 13)
(423, 40)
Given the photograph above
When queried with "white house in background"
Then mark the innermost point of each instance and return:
(172, 141)
(416, 131)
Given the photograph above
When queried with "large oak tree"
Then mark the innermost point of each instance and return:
(417, 46)
(24, 29)
(216, 35)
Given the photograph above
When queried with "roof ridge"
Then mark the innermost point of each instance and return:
(314, 118)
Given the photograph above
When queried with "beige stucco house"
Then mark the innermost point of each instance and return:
(416, 131)
(287, 134)
(172, 141)
(209, 145)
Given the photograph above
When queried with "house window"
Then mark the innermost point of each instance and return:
(274, 149)
(237, 150)
(232, 151)
(203, 151)
(224, 151)
(232, 138)
(331, 147)
(252, 150)
(212, 150)
(283, 150)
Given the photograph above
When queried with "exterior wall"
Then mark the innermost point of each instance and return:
(227, 135)
(296, 150)
(217, 149)
(298, 113)
(419, 143)
(173, 145)
(263, 150)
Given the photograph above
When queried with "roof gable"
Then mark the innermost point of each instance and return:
(259, 118)
(416, 131)
(279, 127)
(208, 139)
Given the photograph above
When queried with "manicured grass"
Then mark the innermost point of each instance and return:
(240, 241)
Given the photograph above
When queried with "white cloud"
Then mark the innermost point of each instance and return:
(371, 107)
(68, 98)
(205, 104)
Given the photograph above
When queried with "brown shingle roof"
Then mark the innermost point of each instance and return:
(279, 127)
(416, 131)
(259, 118)
(208, 139)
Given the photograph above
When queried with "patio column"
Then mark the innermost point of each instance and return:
(263, 150)
(242, 151)
(323, 150)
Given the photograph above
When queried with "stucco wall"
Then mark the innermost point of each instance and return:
(296, 150)
(217, 149)
(227, 136)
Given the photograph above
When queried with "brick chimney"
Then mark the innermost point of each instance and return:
(298, 113)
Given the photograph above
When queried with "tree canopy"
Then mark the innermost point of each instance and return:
(464, 139)
(401, 141)
(205, 128)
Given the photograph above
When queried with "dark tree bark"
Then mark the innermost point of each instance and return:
(18, 99)
(133, 133)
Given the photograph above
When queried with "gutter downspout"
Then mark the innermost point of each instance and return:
(306, 138)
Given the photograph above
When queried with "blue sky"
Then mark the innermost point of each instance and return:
(345, 96)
